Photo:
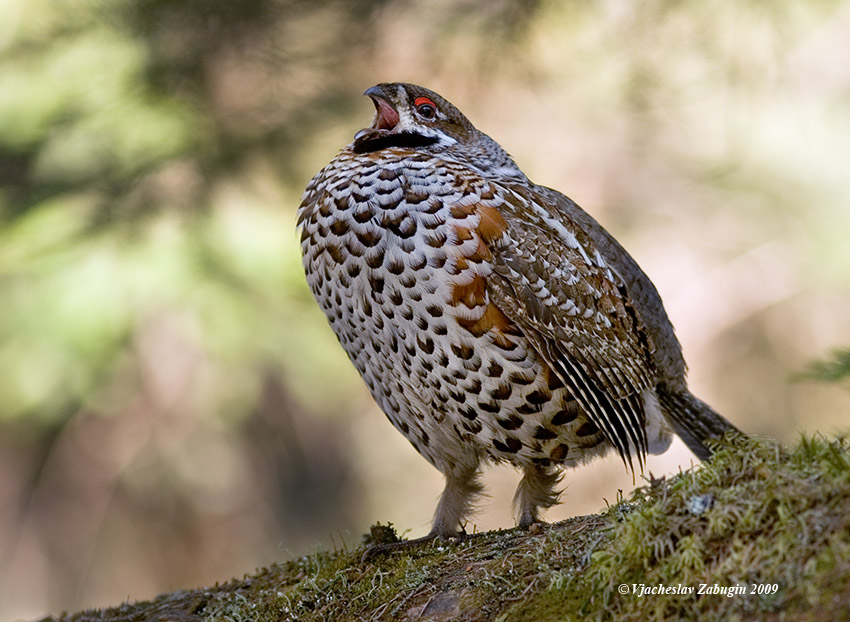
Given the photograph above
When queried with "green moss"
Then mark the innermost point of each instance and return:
(777, 518)
(758, 518)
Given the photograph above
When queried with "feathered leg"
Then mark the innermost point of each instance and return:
(536, 490)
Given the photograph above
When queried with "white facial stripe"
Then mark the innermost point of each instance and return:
(442, 139)
(409, 123)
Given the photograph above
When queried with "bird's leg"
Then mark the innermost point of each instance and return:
(462, 486)
(536, 490)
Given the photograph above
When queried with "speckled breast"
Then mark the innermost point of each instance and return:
(395, 250)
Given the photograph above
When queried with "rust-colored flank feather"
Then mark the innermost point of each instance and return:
(493, 225)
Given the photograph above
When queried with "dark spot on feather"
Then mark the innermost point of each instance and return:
(510, 446)
(377, 284)
(529, 409)
(559, 453)
(425, 345)
(437, 240)
(495, 370)
(375, 261)
(458, 396)
(339, 227)
(417, 262)
(564, 416)
(511, 423)
(472, 426)
(544, 434)
(518, 378)
(395, 265)
(502, 392)
(335, 253)
(355, 250)
(408, 280)
(474, 387)
(438, 261)
(587, 429)
(473, 364)
(538, 397)
(405, 229)
(553, 382)
(463, 351)
(414, 197)
(434, 206)
(369, 238)
(364, 214)
(434, 310)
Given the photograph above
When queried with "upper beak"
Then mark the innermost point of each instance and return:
(386, 117)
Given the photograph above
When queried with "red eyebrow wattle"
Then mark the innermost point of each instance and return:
(423, 100)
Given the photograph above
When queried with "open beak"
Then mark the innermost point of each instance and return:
(386, 117)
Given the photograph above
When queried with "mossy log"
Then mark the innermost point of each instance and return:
(759, 532)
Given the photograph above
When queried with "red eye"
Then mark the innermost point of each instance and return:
(425, 107)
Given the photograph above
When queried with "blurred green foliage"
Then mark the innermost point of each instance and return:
(113, 167)
(834, 369)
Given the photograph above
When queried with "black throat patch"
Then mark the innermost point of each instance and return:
(370, 142)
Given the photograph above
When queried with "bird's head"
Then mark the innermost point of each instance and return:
(407, 115)
(411, 116)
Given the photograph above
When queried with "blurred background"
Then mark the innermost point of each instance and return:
(174, 410)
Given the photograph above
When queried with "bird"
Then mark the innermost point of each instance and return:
(492, 319)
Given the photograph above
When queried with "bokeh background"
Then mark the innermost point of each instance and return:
(175, 411)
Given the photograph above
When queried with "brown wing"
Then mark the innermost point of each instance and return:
(550, 280)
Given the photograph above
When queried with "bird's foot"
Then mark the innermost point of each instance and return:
(382, 545)
(531, 523)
